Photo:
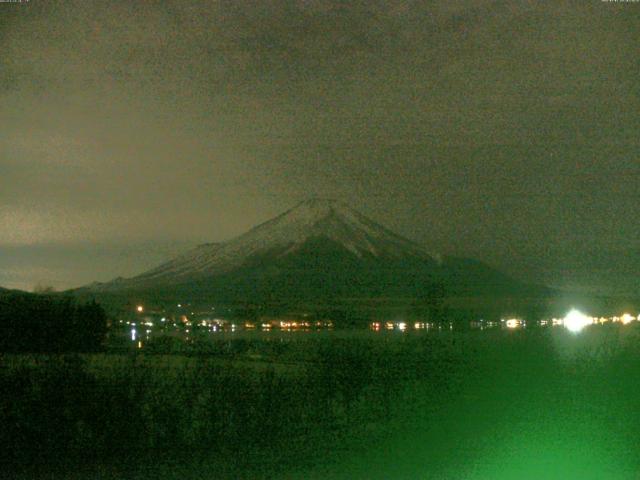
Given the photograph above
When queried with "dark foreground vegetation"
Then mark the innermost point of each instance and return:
(49, 323)
(481, 405)
(239, 413)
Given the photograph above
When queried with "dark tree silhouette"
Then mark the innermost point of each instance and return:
(48, 323)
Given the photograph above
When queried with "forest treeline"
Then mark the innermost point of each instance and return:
(49, 323)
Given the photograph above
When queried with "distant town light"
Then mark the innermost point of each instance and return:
(626, 318)
(575, 321)
(133, 334)
(140, 308)
(513, 322)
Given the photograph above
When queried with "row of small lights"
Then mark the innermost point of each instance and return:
(216, 325)
(574, 321)
(377, 326)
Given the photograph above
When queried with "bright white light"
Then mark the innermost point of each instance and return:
(513, 322)
(626, 318)
(402, 326)
(576, 321)
(133, 334)
(140, 308)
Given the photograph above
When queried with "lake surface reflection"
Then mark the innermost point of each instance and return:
(485, 404)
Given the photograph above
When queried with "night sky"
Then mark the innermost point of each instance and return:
(507, 131)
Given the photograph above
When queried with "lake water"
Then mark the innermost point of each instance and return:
(560, 406)
(488, 405)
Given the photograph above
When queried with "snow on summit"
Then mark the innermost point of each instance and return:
(311, 219)
(330, 219)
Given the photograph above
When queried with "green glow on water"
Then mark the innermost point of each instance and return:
(572, 448)
(559, 407)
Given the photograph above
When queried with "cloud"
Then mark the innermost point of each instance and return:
(446, 120)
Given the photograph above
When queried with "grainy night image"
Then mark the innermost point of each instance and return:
(297, 239)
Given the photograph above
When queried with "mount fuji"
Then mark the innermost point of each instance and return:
(320, 250)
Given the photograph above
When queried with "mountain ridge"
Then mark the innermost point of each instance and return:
(319, 250)
(285, 233)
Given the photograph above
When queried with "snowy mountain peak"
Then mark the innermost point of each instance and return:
(331, 219)
(316, 218)
(312, 211)
(320, 206)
